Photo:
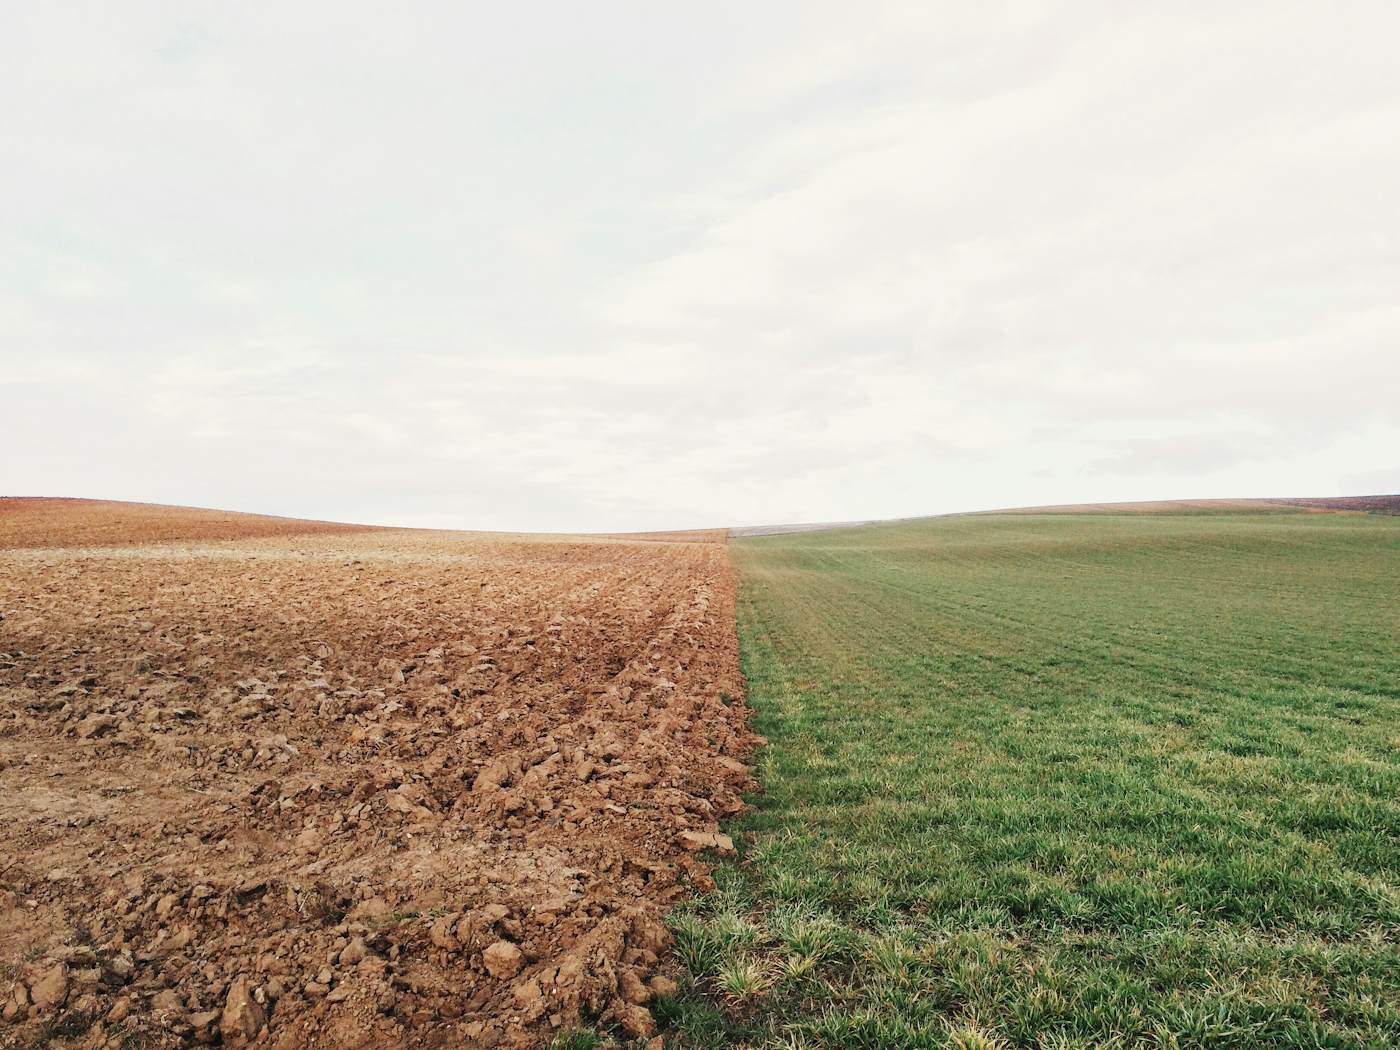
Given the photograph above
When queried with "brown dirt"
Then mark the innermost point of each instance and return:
(353, 788)
(35, 521)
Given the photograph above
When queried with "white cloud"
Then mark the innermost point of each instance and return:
(562, 268)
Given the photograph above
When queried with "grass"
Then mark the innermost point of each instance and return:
(1064, 781)
(579, 1039)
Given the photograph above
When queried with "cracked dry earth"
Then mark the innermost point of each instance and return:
(344, 787)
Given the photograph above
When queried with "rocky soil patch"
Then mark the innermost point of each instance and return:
(356, 788)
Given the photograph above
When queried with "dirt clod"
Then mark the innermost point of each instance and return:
(698, 840)
(243, 1016)
(50, 990)
(636, 1021)
(502, 959)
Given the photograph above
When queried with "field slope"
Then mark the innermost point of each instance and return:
(39, 521)
(1065, 780)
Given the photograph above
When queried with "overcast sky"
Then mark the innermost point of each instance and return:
(623, 266)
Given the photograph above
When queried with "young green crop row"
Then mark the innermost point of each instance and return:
(1064, 781)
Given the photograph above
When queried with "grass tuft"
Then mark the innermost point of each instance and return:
(578, 1039)
(741, 978)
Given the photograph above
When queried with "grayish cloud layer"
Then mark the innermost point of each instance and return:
(607, 266)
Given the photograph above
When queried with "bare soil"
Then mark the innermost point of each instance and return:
(342, 788)
(28, 521)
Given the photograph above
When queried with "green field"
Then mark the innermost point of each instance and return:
(1064, 780)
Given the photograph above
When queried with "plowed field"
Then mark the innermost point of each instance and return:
(329, 787)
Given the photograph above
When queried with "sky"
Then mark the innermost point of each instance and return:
(568, 267)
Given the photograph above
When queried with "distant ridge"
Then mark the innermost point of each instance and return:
(776, 530)
(1277, 505)
(60, 521)
(1369, 504)
(1334, 504)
